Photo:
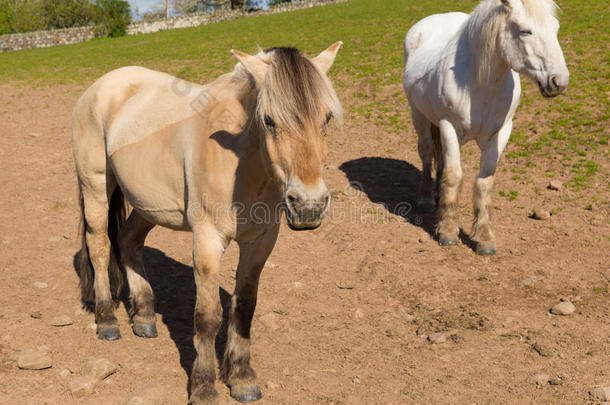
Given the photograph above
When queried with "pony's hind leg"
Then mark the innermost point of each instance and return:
(131, 244)
(425, 202)
(236, 371)
(97, 260)
(447, 227)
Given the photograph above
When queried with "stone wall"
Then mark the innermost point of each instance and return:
(42, 39)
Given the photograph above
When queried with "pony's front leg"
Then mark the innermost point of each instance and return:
(236, 371)
(447, 227)
(207, 251)
(482, 231)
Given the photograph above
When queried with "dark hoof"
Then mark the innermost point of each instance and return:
(447, 240)
(145, 330)
(425, 207)
(111, 332)
(246, 394)
(485, 250)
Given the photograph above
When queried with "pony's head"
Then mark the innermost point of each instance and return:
(295, 105)
(524, 33)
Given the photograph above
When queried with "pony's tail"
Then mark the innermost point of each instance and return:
(117, 214)
(438, 151)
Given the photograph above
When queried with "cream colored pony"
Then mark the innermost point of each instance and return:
(461, 78)
(216, 160)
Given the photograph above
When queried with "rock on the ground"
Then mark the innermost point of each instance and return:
(358, 314)
(36, 314)
(148, 395)
(540, 214)
(98, 368)
(438, 337)
(600, 393)
(65, 373)
(67, 235)
(563, 308)
(542, 350)
(555, 185)
(83, 386)
(40, 284)
(270, 385)
(61, 320)
(30, 359)
(542, 379)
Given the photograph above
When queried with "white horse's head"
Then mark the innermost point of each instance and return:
(529, 44)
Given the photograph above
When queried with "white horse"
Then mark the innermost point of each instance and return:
(461, 78)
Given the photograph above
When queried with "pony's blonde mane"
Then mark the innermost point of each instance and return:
(485, 23)
(295, 94)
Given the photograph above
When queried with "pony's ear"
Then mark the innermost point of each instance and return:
(254, 65)
(506, 3)
(325, 60)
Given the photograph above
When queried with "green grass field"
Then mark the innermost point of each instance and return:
(575, 125)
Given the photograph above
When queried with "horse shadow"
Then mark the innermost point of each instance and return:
(392, 183)
(173, 284)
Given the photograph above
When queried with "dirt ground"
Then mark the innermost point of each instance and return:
(355, 299)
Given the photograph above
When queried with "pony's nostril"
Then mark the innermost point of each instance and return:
(554, 84)
(291, 198)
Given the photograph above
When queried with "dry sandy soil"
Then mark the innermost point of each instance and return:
(355, 299)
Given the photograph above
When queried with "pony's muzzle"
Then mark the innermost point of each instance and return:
(305, 208)
(555, 85)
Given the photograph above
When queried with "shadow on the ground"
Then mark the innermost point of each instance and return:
(174, 286)
(390, 182)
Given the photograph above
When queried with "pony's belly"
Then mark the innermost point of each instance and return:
(175, 220)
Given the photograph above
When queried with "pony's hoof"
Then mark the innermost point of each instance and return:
(485, 249)
(445, 240)
(111, 332)
(425, 207)
(247, 393)
(145, 330)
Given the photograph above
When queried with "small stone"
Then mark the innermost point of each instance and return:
(147, 395)
(285, 371)
(542, 379)
(540, 214)
(36, 315)
(270, 265)
(528, 282)
(271, 385)
(563, 308)
(424, 237)
(438, 337)
(555, 185)
(542, 350)
(356, 380)
(358, 314)
(30, 359)
(92, 326)
(54, 239)
(600, 393)
(557, 380)
(67, 235)
(83, 386)
(40, 284)
(65, 373)
(271, 321)
(62, 320)
(98, 368)
(298, 284)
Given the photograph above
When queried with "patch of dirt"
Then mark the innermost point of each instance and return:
(349, 296)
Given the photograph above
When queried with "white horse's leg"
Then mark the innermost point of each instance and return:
(131, 243)
(425, 202)
(207, 251)
(447, 227)
(236, 371)
(482, 231)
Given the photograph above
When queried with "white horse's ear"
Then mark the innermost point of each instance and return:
(506, 3)
(254, 65)
(325, 60)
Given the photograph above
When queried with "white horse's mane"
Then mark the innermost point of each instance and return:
(486, 22)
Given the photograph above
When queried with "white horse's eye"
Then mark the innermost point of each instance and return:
(525, 33)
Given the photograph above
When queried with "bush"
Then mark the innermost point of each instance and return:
(113, 16)
(67, 13)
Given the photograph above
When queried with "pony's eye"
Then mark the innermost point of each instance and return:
(525, 33)
(329, 117)
(269, 122)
